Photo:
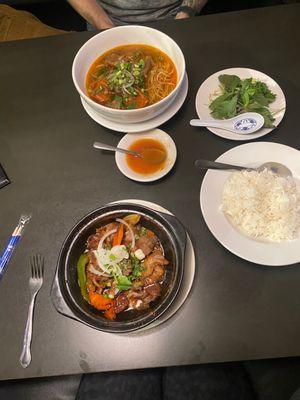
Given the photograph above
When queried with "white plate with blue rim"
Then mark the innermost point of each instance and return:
(210, 89)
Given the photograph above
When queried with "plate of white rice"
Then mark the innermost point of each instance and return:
(255, 215)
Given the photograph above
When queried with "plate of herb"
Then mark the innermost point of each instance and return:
(233, 91)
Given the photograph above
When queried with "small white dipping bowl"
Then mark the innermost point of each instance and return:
(156, 134)
(123, 35)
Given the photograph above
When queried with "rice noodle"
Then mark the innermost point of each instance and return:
(160, 81)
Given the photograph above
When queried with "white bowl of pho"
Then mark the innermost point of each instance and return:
(129, 73)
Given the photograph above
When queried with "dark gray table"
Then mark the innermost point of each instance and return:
(236, 310)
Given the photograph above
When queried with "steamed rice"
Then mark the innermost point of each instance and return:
(262, 205)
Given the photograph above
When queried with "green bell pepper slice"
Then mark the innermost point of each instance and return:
(81, 264)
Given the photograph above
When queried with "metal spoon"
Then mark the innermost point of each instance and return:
(275, 167)
(242, 124)
(149, 155)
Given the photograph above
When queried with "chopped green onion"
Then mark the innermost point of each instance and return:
(143, 231)
(132, 106)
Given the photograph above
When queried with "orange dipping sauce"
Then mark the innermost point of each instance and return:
(138, 164)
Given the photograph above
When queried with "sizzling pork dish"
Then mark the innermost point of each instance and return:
(122, 268)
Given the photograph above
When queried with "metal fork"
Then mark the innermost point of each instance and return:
(35, 283)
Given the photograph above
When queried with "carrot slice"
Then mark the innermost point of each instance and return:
(141, 100)
(118, 235)
(137, 101)
(110, 314)
(150, 233)
(101, 96)
(99, 301)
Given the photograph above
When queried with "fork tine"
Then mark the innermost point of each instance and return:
(31, 265)
(43, 265)
(38, 266)
(35, 267)
(37, 263)
(39, 259)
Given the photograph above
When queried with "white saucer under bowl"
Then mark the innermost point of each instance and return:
(188, 274)
(142, 126)
(156, 134)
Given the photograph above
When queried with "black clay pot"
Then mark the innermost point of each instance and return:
(65, 292)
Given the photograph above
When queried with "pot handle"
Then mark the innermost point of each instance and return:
(178, 228)
(57, 299)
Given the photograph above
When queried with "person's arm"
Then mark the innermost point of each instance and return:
(92, 12)
(189, 8)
